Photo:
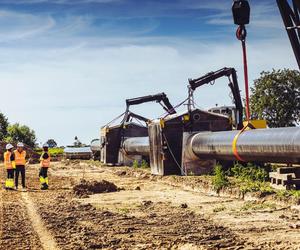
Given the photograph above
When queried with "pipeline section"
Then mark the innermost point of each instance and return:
(276, 145)
(137, 146)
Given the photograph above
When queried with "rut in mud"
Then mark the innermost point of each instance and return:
(17, 231)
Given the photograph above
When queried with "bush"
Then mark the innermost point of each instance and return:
(219, 179)
(250, 172)
(135, 164)
(144, 164)
(140, 164)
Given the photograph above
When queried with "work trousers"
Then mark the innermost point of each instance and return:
(44, 178)
(10, 173)
(20, 169)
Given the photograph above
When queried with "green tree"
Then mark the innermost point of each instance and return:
(52, 143)
(3, 126)
(275, 97)
(21, 133)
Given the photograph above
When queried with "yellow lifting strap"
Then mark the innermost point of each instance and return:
(248, 125)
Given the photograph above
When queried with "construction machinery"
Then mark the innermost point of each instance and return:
(167, 135)
(291, 20)
(112, 137)
(193, 141)
(230, 73)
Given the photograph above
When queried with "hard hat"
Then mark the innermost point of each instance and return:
(45, 145)
(9, 146)
(20, 144)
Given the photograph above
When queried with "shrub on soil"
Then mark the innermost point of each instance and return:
(220, 180)
(250, 172)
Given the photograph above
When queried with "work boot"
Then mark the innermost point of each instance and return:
(44, 186)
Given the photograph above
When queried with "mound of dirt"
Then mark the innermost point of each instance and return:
(85, 188)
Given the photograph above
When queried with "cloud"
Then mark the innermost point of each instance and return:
(82, 88)
(15, 25)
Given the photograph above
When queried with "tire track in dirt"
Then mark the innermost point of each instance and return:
(17, 231)
(44, 235)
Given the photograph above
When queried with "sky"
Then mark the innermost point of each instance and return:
(67, 66)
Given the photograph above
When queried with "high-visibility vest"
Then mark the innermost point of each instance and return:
(7, 161)
(45, 163)
(20, 158)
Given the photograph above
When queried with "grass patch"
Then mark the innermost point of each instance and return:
(254, 206)
(219, 209)
(123, 210)
(286, 194)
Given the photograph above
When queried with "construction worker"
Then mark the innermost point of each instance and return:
(10, 166)
(45, 163)
(20, 160)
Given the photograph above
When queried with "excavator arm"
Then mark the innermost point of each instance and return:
(233, 84)
(161, 98)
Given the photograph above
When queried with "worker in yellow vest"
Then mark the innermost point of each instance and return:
(20, 160)
(10, 166)
(45, 163)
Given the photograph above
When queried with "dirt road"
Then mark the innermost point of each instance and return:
(145, 213)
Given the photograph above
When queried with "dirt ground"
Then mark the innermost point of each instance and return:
(139, 212)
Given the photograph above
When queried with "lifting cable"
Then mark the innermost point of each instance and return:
(115, 119)
(241, 16)
(241, 35)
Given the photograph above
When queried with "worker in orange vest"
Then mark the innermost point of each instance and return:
(20, 160)
(45, 163)
(10, 166)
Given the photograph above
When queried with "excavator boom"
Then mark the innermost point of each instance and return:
(233, 84)
(160, 98)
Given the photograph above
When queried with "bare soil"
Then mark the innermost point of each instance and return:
(122, 208)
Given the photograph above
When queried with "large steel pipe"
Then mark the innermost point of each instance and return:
(276, 145)
(137, 146)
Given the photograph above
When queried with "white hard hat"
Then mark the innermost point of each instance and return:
(45, 145)
(20, 144)
(9, 146)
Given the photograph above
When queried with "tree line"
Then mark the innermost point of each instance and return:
(13, 133)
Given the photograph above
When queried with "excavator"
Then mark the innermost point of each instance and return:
(236, 114)
(112, 136)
